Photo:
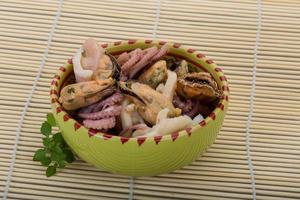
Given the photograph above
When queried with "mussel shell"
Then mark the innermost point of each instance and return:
(199, 85)
(125, 87)
(172, 63)
(116, 67)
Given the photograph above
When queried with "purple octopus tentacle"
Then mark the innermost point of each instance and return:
(108, 112)
(185, 106)
(149, 53)
(113, 99)
(195, 110)
(135, 57)
(106, 123)
(123, 58)
(109, 101)
(162, 52)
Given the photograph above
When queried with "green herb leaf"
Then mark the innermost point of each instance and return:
(51, 170)
(56, 152)
(64, 144)
(46, 161)
(57, 156)
(57, 149)
(46, 129)
(69, 155)
(51, 119)
(39, 155)
(47, 142)
(58, 138)
(61, 164)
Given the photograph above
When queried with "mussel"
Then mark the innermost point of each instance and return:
(198, 85)
(82, 94)
(148, 101)
(155, 74)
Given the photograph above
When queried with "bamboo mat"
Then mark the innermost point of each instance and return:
(257, 43)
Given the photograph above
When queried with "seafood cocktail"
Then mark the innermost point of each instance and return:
(133, 99)
(137, 93)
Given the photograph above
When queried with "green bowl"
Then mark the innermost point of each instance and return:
(142, 156)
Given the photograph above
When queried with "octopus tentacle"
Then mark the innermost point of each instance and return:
(87, 109)
(149, 53)
(123, 58)
(135, 57)
(185, 106)
(108, 112)
(100, 124)
(162, 52)
(113, 99)
(195, 110)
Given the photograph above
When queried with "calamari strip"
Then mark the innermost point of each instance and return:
(163, 114)
(125, 116)
(106, 123)
(92, 54)
(127, 132)
(160, 88)
(108, 112)
(199, 118)
(81, 74)
(136, 118)
(162, 52)
(170, 86)
(170, 125)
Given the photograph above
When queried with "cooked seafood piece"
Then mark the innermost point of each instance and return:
(198, 85)
(136, 60)
(170, 125)
(81, 74)
(92, 54)
(124, 57)
(111, 111)
(148, 101)
(108, 67)
(155, 74)
(170, 86)
(137, 128)
(86, 60)
(199, 118)
(186, 105)
(145, 60)
(172, 63)
(182, 69)
(125, 115)
(160, 88)
(103, 124)
(162, 52)
(163, 114)
(85, 93)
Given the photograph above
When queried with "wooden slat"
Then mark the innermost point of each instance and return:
(223, 30)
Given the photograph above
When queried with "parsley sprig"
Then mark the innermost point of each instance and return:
(55, 153)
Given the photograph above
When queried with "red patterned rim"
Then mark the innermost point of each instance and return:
(140, 140)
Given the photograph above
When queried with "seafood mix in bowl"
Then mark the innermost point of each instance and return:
(139, 107)
(137, 93)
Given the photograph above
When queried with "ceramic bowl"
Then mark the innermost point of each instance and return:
(142, 156)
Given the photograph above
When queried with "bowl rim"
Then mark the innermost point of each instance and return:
(221, 107)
